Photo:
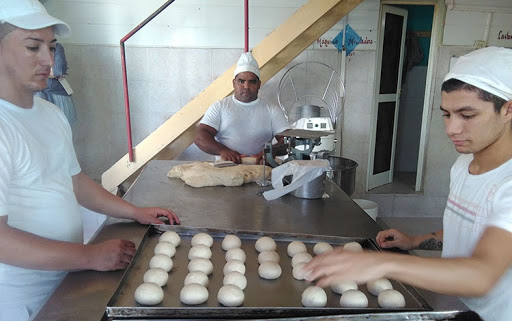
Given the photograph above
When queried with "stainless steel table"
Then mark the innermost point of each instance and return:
(84, 295)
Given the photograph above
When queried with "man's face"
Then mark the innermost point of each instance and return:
(471, 123)
(26, 58)
(246, 85)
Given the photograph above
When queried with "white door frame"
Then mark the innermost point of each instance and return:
(435, 43)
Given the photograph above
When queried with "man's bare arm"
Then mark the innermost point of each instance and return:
(205, 140)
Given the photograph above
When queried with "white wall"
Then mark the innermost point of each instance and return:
(182, 52)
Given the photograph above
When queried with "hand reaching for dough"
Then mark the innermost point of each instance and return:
(150, 215)
(339, 265)
(111, 255)
(394, 238)
(231, 155)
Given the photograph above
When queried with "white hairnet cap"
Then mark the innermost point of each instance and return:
(489, 69)
(247, 63)
(31, 15)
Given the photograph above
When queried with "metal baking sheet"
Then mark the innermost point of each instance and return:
(263, 298)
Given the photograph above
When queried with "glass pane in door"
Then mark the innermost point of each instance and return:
(391, 53)
(384, 137)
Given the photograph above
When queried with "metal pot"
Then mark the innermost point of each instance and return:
(312, 189)
(344, 173)
(309, 111)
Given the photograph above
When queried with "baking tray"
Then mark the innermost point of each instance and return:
(263, 298)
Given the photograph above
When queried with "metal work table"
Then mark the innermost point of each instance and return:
(84, 295)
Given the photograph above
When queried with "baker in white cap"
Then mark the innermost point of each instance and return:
(41, 183)
(237, 127)
(476, 263)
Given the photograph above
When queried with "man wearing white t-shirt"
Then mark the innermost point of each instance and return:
(241, 124)
(476, 262)
(41, 183)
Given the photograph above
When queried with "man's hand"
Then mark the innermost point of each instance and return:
(394, 238)
(111, 255)
(231, 155)
(150, 215)
(340, 265)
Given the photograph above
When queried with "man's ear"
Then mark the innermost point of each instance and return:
(506, 110)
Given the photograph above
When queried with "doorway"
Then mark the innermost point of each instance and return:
(405, 146)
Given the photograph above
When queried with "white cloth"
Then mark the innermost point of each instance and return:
(488, 68)
(37, 160)
(246, 62)
(476, 202)
(245, 127)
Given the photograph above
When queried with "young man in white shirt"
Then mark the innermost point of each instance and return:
(41, 183)
(476, 103)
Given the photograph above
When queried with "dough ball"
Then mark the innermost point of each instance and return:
(230, 295)
(156, 275)
(295, 247)
(236, 254)
(301, 257)
(353, 247)
(390, 299)
(298, 271)
(201, 265)
(234, 265)
(230, 242)
(171, 237)
(269, 270)
(149, 294)
(166, 248)
(161, 261)
(268, 256)
(193, 293)
(196, 277)
(377, 286)
(314, 296)
(235, 278)
(202, 238)
(265, 243)
(343, 286)
(199, 251)
(322, 247)
(353, 299)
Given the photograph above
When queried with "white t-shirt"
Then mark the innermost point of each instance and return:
(476, 202)
(245, 127)
(37, 162)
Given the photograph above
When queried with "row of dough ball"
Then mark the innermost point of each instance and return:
(231, 293)
(315, 296)
(268, 258)
(150, 292)
(194, 290)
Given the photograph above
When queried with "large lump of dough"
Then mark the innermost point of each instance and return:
(201, 174)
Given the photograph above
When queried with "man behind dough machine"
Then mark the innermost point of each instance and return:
(240, 125)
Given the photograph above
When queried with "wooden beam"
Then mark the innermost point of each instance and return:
(278, 49)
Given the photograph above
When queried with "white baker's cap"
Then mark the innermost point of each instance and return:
(31, 15)
(247, 63)
(489, 69)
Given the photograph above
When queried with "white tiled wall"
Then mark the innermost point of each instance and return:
(165, 71)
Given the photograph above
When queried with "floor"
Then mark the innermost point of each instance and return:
(403, 183)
